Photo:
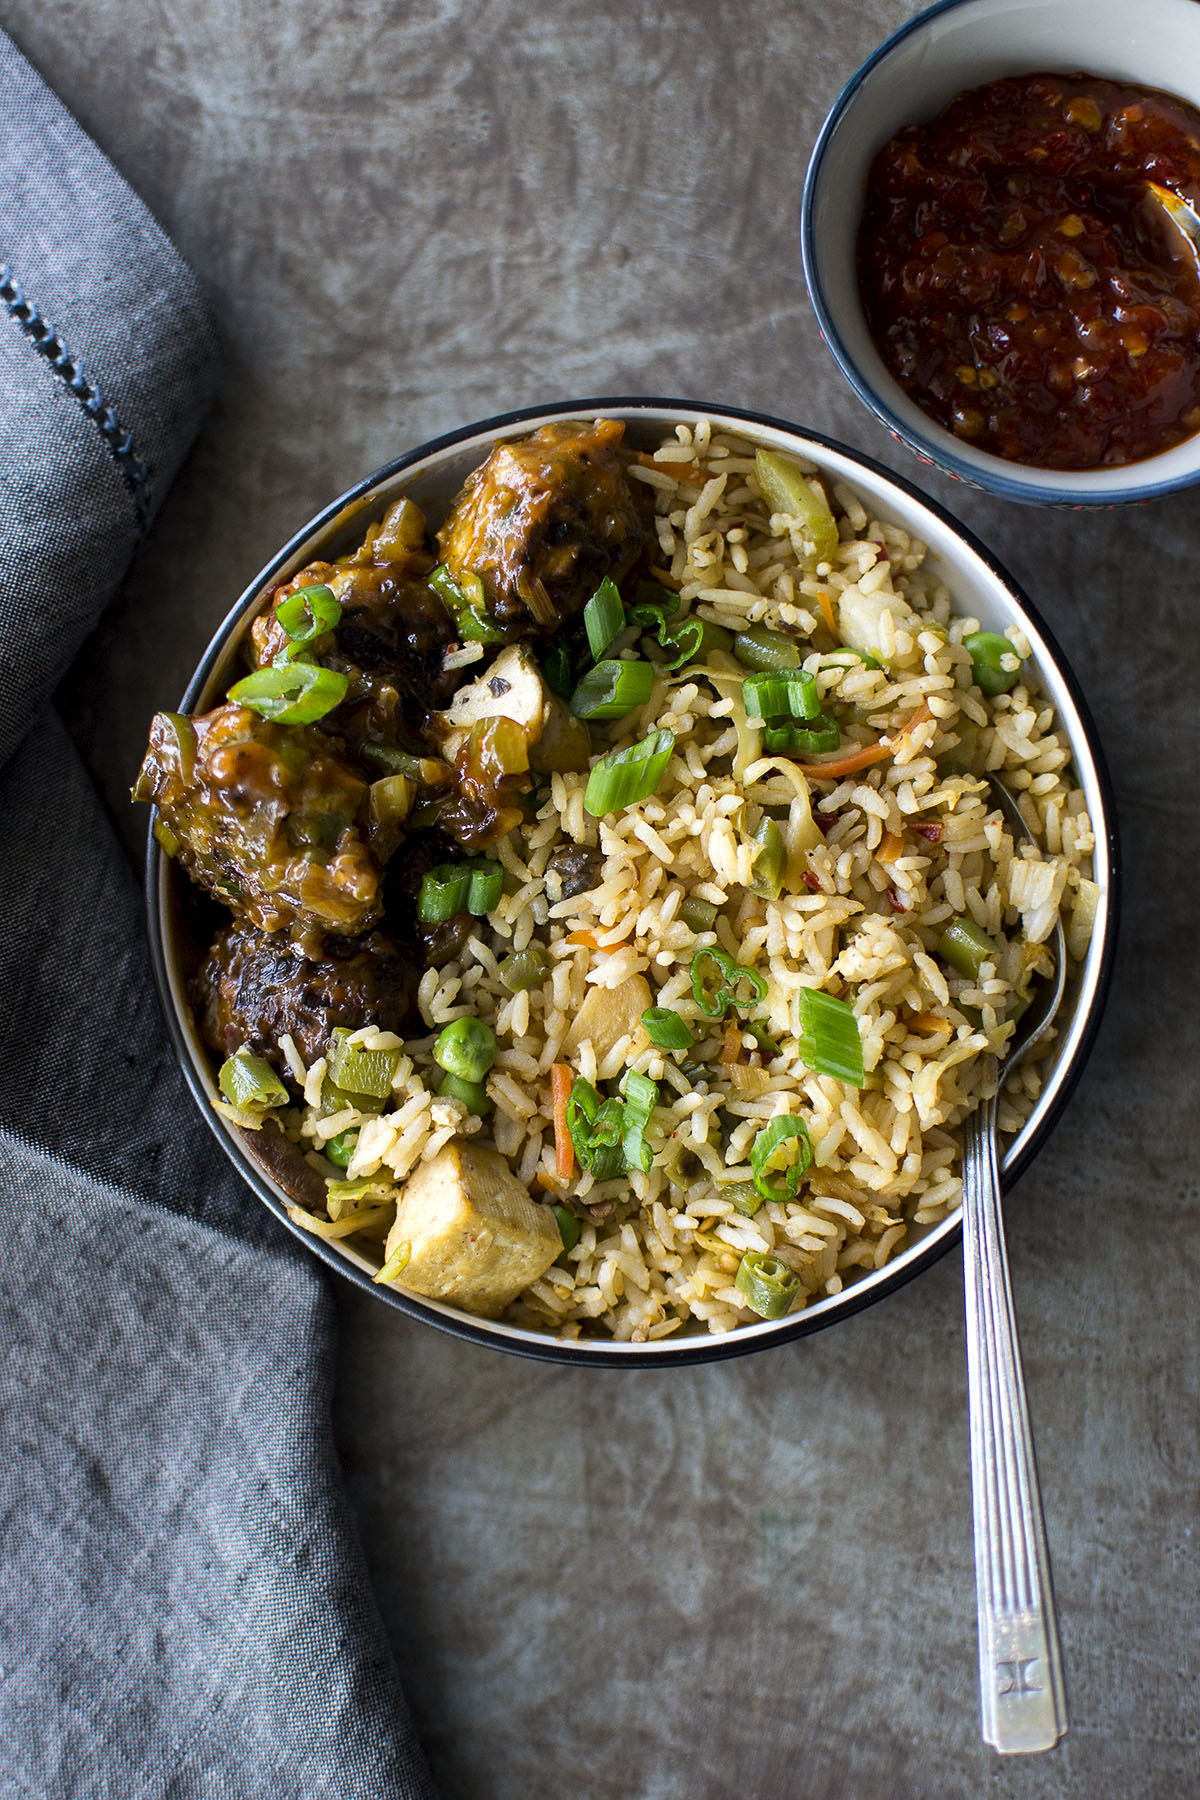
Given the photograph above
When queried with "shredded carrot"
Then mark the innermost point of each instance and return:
(851, 762)
(731, 1048)
(891, 847)
(590, 941)
(826, 606)
(866, 754)
(561, 1082)
(920, 717)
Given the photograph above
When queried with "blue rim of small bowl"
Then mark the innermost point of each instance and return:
(672, 1352)
(928, 449)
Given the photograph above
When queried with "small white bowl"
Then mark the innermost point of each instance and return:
(956, 45)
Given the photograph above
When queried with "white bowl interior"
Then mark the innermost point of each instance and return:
(1153, 43)
(977, 589)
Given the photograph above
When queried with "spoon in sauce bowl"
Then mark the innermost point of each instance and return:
(1022, 1692)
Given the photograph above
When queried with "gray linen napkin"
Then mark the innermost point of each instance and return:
(183, 1606)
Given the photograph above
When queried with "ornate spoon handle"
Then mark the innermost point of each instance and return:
(1022, 1695)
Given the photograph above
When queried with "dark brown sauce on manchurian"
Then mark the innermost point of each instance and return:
(1022, 282)
(273, 820)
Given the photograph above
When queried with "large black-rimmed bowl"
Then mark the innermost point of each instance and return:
(432, 475)
(953, 46)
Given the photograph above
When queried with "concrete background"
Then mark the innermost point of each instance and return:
(754, 1578)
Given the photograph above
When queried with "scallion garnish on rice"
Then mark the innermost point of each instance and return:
(603, 618)
(719, 983)
(641, 1097)
(612, 689)
(779, 1156)
(666, 1030)
(624, 777)
(813, 738)
(781, 694)
(830, 1040)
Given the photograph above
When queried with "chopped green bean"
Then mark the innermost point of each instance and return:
(767, 1285)
(761, 648)
(250, 1083)
(966, 947)
(698, 914)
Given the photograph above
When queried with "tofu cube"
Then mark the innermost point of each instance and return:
(477, 1238)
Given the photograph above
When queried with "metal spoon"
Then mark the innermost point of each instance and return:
(1022, 1694)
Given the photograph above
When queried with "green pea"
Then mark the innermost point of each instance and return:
(466, 1048)
(340, 1149)
(473, 1094)
(988, 651)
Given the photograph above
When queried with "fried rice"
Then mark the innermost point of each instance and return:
(888, 855)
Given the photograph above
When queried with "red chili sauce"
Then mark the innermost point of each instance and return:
(1022, 283)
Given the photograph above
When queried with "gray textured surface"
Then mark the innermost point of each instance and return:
(753, 1579)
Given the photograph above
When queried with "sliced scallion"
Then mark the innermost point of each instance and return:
(468, 603)
(292, 693)
(691, 640)
(595, 1128)
(785, 737)
(487, 885)
(665, 1029)
(612, 689)
(443, 893)
(569, 1229)
(308, 613)
(603, 618)
(767, 1285)
(719, 983)
(641, 1098)
(624, 777)
(450, 888)
(781, 694)
(830, 1040)
(779, 1155)
(556, 667)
